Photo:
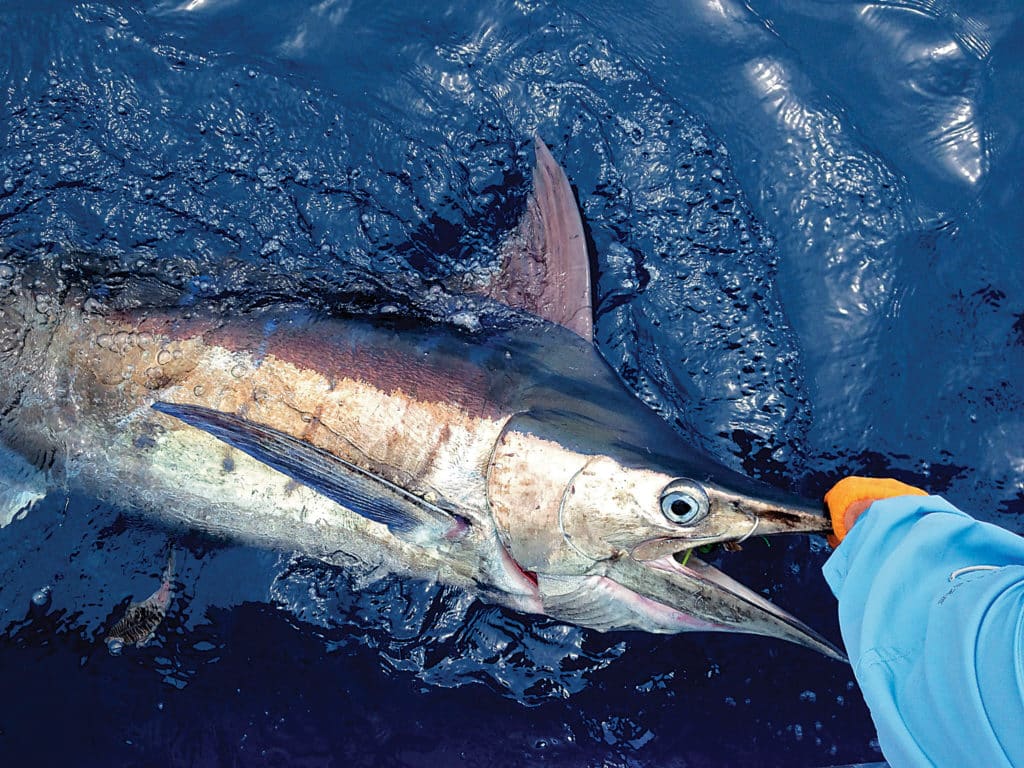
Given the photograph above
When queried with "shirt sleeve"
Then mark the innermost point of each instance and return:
(931, 609)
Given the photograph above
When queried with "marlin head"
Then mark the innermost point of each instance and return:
(611, 542)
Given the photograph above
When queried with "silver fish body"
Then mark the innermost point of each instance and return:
(529, 437)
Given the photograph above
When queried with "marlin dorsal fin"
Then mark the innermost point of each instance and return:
(545, 268)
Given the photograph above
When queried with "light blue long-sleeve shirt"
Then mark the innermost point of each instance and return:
(938, 651)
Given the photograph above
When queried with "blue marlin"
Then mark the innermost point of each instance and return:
(513, 464)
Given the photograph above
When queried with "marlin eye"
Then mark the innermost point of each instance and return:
(684, 502)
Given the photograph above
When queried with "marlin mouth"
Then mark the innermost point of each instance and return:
(733, 607)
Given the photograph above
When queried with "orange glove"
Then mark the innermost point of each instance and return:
(852, 495)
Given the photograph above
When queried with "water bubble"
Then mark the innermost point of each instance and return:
(198, 390)
(238, 370)
(41, 597)
(8, 185)
(163, 357)
(466, 320)
(44, 304)
(6, 272)
(115, 645)
(105, 340)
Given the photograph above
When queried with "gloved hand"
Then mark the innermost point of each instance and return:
(848, 498)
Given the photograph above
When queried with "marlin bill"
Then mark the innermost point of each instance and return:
(513, 464)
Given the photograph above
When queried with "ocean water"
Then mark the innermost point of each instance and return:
(806, 223)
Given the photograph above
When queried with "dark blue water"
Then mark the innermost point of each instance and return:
(807, 224)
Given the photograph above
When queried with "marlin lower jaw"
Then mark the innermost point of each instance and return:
(699, 596)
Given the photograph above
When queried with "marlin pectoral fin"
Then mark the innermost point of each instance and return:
(351, 486)
(545, 267)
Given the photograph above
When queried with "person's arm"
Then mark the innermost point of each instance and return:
(931, 609)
